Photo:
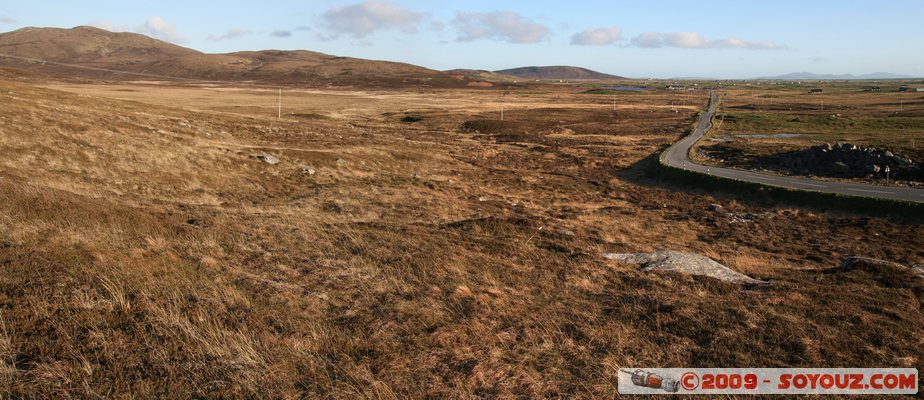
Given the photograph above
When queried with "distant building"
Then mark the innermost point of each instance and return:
(919, 89)
(676, 87)
(874, 89)
(904, 89)
(815, 91)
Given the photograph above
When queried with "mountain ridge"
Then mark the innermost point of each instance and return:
(556, 72)
(97, 53)
(814, 76)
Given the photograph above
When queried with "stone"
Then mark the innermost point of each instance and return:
(715, 207)
(684, 263)
(891, 273)
(269, 159)
(841, 168)
(854, 262)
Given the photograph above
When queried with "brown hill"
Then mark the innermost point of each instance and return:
(557, 73)
(88, 45)
(483, 75)
(93, 52)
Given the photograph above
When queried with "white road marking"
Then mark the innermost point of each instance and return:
(868, 191)
(811, 184)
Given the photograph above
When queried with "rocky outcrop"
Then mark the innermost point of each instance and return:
(876, 266)
(684, 263)
(844, 160)
(866, 263)
(268, 158)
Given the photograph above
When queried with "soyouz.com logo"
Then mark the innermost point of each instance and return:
(880, 381)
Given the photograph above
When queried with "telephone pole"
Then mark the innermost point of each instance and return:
(279, 116)
(502, 108)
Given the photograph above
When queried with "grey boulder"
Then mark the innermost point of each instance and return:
(684, 263)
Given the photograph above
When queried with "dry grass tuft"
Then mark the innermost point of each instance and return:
(7, 357)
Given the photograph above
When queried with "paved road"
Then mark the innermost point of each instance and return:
(678, 156)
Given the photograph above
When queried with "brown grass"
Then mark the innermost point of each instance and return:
(145, 258)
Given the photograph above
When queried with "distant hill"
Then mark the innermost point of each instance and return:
(483, 75)
(808, 76)
(557, 73)
(92, 52)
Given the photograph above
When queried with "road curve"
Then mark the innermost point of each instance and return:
(678, 156)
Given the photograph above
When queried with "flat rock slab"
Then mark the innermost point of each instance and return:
(684, 263)
(857, 262)
(268, 158)
(878, 266)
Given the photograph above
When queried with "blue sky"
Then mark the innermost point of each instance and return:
(653, 38)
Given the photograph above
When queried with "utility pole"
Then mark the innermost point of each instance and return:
(280, 104)
(502, 108)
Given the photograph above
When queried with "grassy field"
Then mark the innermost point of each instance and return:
(148, 252)
(761, 120)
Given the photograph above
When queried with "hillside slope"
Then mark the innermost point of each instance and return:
(148, 251)
(92, 52)
(557, 73)
(483, 75)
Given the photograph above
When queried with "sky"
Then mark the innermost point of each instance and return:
(653, 38)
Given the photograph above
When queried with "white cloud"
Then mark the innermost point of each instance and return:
(693, 40)
(500, 25)
(648, 39)
(159, 28)
(360, 20)
(232, 33)
(6, 19)
(598, 36)
(281, 34)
